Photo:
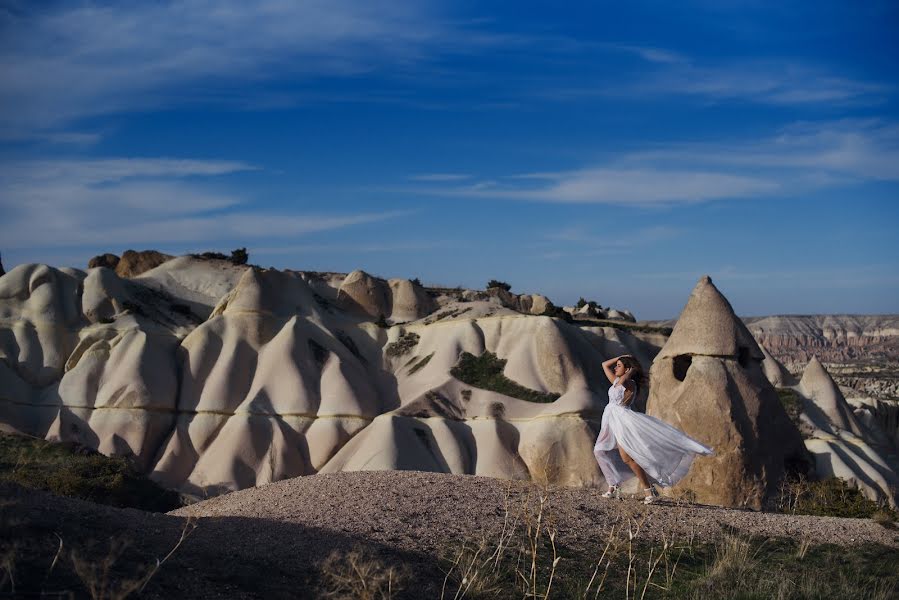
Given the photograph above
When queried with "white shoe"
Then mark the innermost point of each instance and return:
(613, 492)
(651, 495)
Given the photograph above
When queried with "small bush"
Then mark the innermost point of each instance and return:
(239, 256)
(79, 472)
(581, 303)
(830, 497)
(792, 405)
(493, 283)
(486, 372)
(403, 345)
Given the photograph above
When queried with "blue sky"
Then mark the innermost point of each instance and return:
(590, 149)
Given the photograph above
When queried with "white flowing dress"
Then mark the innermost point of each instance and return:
(664, 452)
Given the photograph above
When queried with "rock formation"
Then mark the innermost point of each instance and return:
(2, 270)
(216, 376)
(708, 381)
(776, 373)
(110, 261)
(133, 263)
(842, 445)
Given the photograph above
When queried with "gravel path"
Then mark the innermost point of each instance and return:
(424, 512)
(268, 542)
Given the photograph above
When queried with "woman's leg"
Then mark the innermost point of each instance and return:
(637, 469)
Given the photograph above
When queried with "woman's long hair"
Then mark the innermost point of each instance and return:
(637, 375)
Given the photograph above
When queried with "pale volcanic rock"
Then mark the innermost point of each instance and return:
(40, 313)
(133, 263)
(198, 283)
(362, 293)
(409, 301)
(267, 391)
(535, 304)
(818, 386)
(103, 294)
(776, 373)
(844, 445)
(708, 381)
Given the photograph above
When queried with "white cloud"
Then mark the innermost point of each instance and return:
(804, 156)
(132, 201)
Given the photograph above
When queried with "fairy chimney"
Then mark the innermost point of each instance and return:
(708, 381)
(818, 386)
(774, 370)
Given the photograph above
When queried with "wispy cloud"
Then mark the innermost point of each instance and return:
(651, 54)
(775, 82)
(439, 177)
(133, 201)
(801, 157)
(65, 61)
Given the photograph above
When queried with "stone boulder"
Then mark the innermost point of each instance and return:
(110, 261)
(134, 263)
(708, 381)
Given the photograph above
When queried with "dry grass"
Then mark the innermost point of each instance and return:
(359, 575)
(102, 581)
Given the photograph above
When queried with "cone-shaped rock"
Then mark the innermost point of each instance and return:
(708, 326)
(360, 292)
(818, 386)
(776, 373)
(708, 381)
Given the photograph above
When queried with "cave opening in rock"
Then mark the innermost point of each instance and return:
(743, 356)
(681, 365)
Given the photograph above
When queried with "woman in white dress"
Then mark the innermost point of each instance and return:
(632, 444)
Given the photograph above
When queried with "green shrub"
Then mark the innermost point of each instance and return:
(493, 283)
(486, 372)
(792, 404)
(239, 256)
(71, 470)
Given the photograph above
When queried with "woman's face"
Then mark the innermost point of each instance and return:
(618, 369)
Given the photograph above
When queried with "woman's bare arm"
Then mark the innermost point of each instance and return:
(607, 368)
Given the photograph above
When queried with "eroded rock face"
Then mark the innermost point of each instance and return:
(134, 263)
(218, 377)
(110, 261)
(362, 293)
(708, 381)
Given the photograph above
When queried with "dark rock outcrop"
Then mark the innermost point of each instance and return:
(110, 261)
(134, 263)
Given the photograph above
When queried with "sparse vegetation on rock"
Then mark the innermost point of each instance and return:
(486, 372)
(406, 342)
(79, 472)
(418, 366)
